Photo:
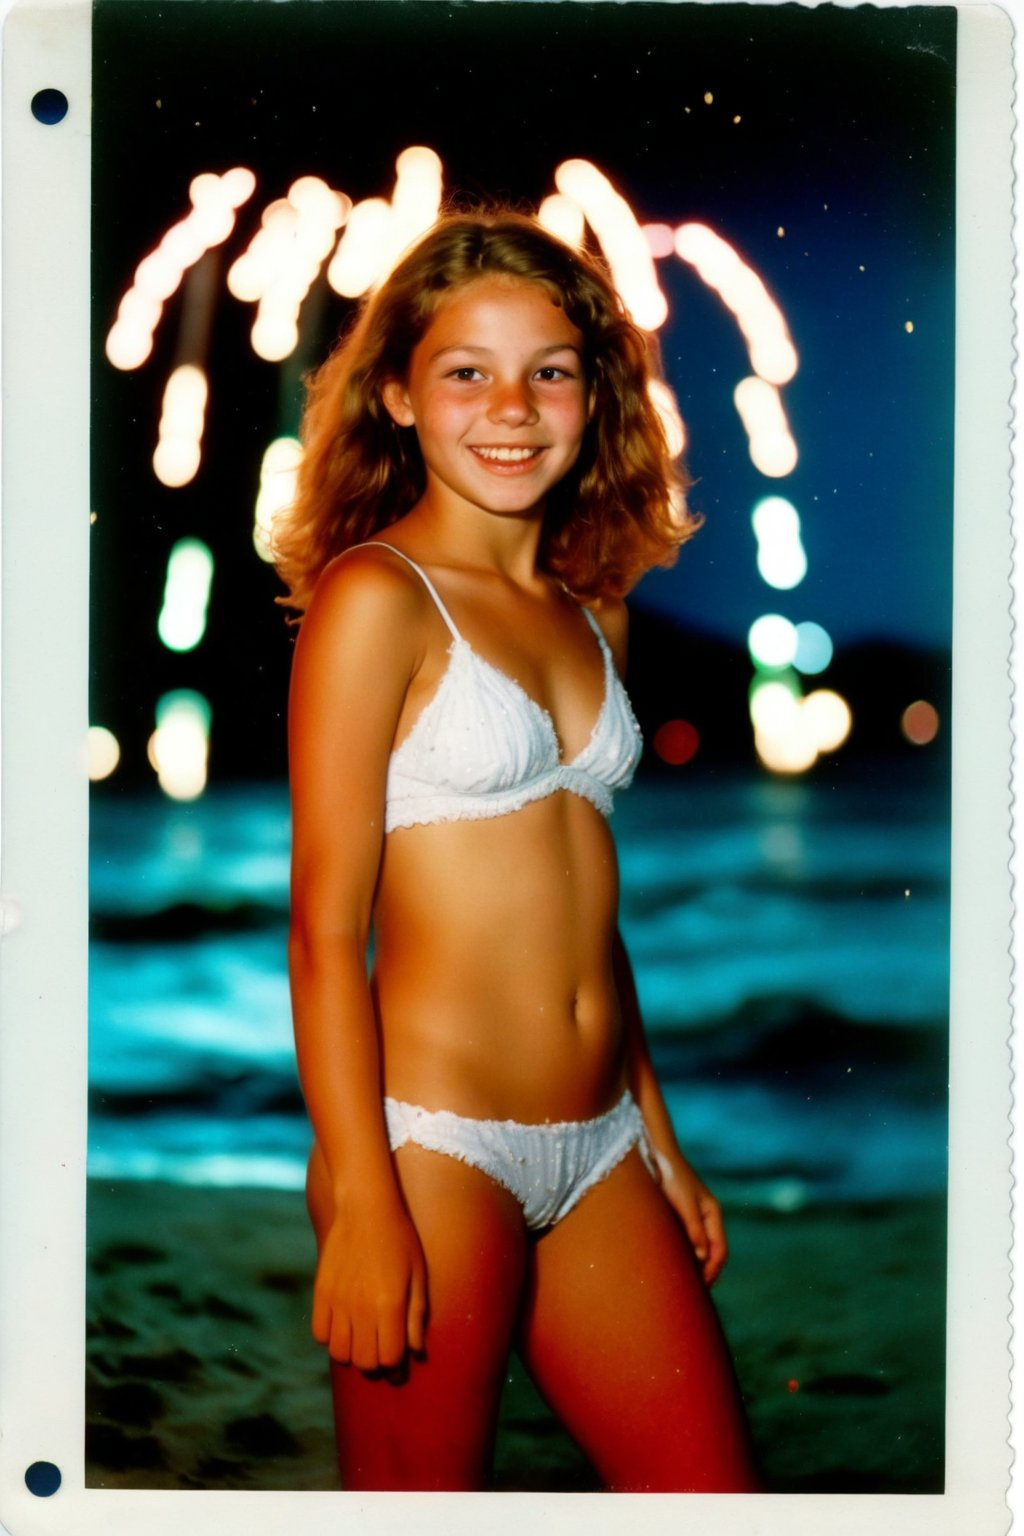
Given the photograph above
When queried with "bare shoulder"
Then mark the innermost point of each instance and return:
(359, 646)
(369, 583)
(368, 602)
(613, 616)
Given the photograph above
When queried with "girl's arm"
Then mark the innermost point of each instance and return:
(694, 1204)
(356, 652)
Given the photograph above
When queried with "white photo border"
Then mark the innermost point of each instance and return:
(43, 864)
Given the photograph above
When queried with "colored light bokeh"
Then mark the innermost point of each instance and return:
(829, 717)
(772, 354)
(278, 470)
(620, 237)
(791, 731)
(182, 621)
(772, 446)
(378, 231)
(178, 452)
(103, 753)
(813, 648)
(563, 217)
(772, 641)
(315, 228)
(664, 402)
(215, 201)
(781, 560)
(283, 260)
(920, 723)
(676, 742)
(178, 749)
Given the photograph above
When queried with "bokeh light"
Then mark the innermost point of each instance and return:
(813, 648)
(179, 747)
(278, 470)
(416, 200)
(788, 745)
(358, 260)
(677, 505)
(283, 261)
(379, 232)
(771, 700)
(920, 723)
(771, 445)
(772, 354)
(781, 560)
(676, 742)
(563, 217)
(791, 731)
(772, 640)
(103, 752)
(251, 272)
(829, 718)
(182, 621)
(621, 239)
(215, 201)
(661, 239)
(664, 402)
(178, 452)
(299, 233)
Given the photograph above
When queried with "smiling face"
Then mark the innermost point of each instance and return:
(497, 395)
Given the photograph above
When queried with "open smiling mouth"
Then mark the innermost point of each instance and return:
(508, 458)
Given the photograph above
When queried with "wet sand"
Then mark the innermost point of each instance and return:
(201, 1371)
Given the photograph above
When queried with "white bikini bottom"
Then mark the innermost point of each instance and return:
(548, 1167)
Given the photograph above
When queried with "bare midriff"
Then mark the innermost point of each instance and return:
(493, 976)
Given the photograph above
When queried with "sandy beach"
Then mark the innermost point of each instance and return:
(202, 1372)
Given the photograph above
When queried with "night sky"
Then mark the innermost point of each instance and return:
(845, 142)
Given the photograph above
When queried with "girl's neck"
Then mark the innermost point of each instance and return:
(473, 539)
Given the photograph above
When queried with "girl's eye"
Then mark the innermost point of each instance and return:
(551, 373)
(467, 373)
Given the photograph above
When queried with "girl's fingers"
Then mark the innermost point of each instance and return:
(377, 1342)
(340, 1345)
(416, 1316)
(718, 1248)
(701, 1216)
(688, 1213)
(365, 1353)
(390, 1341)
(714, 1226)
(321, 1320)
(695, 1230)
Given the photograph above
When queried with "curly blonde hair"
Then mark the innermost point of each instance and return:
(618, 512)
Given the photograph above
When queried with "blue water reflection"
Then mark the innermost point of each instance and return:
(790, 942)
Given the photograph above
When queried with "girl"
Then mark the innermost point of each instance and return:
(484, 477)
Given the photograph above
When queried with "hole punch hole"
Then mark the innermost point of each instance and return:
(49, 106)
(42, 1478)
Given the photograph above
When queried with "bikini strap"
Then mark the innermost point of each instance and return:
(598, 631)
(421, 573)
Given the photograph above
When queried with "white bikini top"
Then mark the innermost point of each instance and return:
(482, 747)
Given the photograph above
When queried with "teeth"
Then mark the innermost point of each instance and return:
(506, 455)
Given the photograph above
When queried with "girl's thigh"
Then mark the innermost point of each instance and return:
(432, 1426)
(623, 1340)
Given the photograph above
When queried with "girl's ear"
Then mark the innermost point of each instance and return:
(396, 402)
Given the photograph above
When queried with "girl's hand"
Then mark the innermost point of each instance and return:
(698, 1210)
(370, 1292)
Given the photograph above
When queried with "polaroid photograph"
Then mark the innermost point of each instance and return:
(380, 1114)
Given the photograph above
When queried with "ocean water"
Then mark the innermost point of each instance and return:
(790, 941)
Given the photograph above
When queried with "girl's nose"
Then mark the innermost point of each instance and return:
(512, 403)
